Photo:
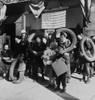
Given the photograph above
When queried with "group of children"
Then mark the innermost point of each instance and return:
(29, 58)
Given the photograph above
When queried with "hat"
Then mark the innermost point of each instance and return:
(23, 31)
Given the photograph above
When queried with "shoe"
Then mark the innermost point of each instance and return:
(51, 86)
(42, 79)
(1, 78)
(84, 78)
(63, 90)
(17, 81)
(56, 89)
(68, 80)
(4, 75)
(87, 81)
(14, 79)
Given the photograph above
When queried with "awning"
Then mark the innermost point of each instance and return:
(11, 19)
(14, 11)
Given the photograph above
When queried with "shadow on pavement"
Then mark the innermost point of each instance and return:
(63, 95)
(80, 79)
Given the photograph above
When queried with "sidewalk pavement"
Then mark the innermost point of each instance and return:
(29, 90)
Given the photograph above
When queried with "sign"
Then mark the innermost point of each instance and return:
(59, 66)
(54, 20)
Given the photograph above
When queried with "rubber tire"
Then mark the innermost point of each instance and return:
(11, 71)
(83, 51)
(30, 38)
(73, 36)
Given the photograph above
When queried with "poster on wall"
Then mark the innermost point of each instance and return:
(54, 20)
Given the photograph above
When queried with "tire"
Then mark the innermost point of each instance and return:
(72, 35)
(11, 71)
(30, 38)
(83, 51)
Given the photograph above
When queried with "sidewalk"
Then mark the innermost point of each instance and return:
(81, 90)
(29, 90)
